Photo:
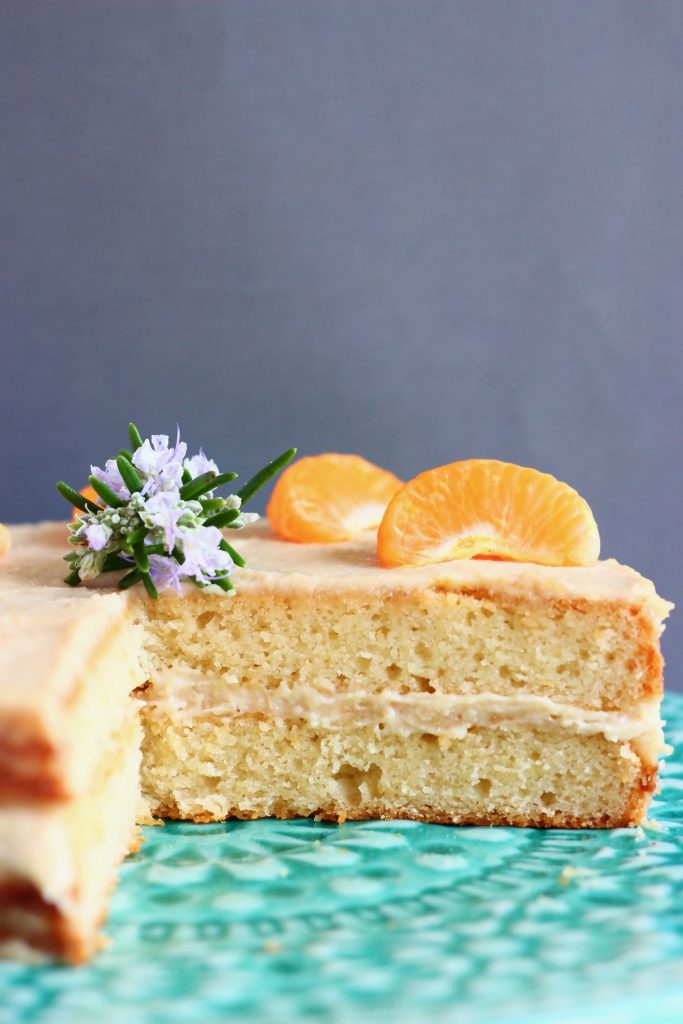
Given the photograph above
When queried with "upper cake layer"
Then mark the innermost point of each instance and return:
(329, 617)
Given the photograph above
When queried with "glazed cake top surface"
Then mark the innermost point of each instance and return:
(31, 574)
(47, 630)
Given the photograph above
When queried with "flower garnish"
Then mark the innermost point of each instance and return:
(158, 517)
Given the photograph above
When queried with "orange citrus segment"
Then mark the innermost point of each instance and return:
(482, 508)
(325, 498)
(88, 493)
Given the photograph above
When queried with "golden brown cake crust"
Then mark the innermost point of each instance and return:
(634, 816)
(648, 652)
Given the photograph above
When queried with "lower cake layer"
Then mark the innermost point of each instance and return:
(252, 767)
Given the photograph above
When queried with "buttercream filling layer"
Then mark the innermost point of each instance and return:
(197, 696)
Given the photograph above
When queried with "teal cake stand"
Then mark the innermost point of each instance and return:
(304, 921)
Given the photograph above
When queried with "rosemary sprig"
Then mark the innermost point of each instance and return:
(226, 518)
(105, 493)
(206, 482)
(134, 437)
(130, 580)
(264, 475)
(112, 563)
(141, 557)
(149, 586)
(129, 474)
(224, 583)
(235, 555)
(160, 517)
(76, 499)
(133, 538)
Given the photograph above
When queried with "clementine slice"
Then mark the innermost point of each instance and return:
(482, 508)
(88, 493)
(326, 498)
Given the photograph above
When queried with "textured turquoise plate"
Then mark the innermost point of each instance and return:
(280, 921)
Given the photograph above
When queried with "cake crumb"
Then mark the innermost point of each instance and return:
(568, 873)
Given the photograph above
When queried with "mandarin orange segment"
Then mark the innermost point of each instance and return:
(326, 498)
(88, 493)
(482, 508)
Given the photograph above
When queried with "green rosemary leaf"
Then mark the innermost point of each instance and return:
(130, 580)
(141, 557)
(127, 454)
(134, 436)
(76, 499)
(206, 482)
(235, 555)
(129, 473)
(223, 518)
(197, 583)
(211, 505)
(105, 493)
(149, 586)
(224, 583)
(156, 549)
(265, 474)
(114, 562)
(187, 476)
(73, 579)
(135, 537)
(224, 478)
(198, 485)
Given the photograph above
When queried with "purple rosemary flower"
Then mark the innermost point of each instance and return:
(97, 536)
(111, 476)
(163, 510)
(161, 466)
(203, 556)
(164, 572)
(199, 464)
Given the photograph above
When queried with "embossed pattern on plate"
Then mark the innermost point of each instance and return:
(299, 920)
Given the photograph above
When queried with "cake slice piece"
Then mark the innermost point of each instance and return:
(468, 691)
(69, 753)
(59, 858)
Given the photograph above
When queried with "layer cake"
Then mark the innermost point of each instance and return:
(481, 692)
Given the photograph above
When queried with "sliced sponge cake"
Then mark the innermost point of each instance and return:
(466, 692)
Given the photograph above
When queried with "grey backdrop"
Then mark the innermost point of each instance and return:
(417, 230)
